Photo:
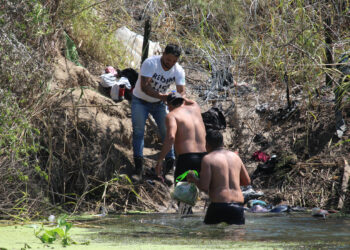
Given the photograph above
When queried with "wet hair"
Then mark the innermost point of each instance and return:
(177, 103)
(214, 138)
(175, 99)
(173, 49)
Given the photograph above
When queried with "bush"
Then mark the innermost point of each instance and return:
(24, 74)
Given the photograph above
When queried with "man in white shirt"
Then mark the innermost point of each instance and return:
(149, 97)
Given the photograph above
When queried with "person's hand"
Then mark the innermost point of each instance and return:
(191, 177)
(188, 101)
(163, 97)
(159, 168)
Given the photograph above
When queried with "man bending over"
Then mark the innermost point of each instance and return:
(186, 130)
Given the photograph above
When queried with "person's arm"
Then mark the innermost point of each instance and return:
(244, 176)
(171, 128)
(146, 87)
(188, 101)
(181, 89)
(180, 81)
(203, 182)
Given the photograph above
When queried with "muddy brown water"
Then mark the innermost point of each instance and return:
(286, 230)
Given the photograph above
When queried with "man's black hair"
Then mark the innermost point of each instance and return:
(177, 103)
(214, 138)
(173, 49)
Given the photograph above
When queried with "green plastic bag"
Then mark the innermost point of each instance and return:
(186, 192)
(71, 50)
(183, 175)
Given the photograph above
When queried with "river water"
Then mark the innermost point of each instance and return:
(171, 231)
(293, 230)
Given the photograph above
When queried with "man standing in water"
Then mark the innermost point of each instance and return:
(222, 174)
(186, 130)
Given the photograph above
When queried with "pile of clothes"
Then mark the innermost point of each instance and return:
(118, 84)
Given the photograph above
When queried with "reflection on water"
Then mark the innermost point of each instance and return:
(174, 229)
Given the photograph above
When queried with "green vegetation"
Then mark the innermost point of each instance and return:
(92, 32)
(60, 232)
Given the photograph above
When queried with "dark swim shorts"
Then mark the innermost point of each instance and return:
(188, 161)
(231, 213)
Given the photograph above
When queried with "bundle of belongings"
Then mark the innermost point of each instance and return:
(184, 191)
(118, 84)
(214, 119)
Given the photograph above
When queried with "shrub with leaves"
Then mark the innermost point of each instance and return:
(60, 232)
(24, 73)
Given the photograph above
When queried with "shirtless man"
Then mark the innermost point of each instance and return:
(186, 131)
(222, 174)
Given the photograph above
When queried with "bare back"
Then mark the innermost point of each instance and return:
(190, 133)
(224, 172)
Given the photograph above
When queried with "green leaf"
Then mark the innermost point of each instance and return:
(59, 231)
(47, 237)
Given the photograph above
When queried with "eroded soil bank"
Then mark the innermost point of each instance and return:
(309, 157)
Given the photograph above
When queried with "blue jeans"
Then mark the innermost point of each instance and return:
(139, 114)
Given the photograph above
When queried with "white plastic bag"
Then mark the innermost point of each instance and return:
(186, 192)
(115, 92)
(108, 80)
(123, 80)
(115, 88)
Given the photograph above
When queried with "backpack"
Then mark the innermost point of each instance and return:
(214, 119)
(131, 75)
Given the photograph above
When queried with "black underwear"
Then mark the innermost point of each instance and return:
(231, 213)
(188, 161)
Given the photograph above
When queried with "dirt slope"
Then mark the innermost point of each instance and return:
(99, 131)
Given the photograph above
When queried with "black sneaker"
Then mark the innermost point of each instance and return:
(139, 170)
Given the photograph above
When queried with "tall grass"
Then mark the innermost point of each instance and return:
(24, 73)
(84, 21)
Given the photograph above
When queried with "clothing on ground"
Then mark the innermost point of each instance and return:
(214, 119)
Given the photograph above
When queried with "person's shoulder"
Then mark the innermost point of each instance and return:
(152, 60)
(178, 112)
(207, 157)
(189, 102)
(234, 156)
(210, 155)
(179, 68)
(171, 114)
(220, 154)
(231, 154)
(149, 66)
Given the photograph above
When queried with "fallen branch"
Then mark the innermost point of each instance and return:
(303, 164)
(345, 184)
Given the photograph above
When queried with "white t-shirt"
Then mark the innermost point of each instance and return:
(162, 79)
